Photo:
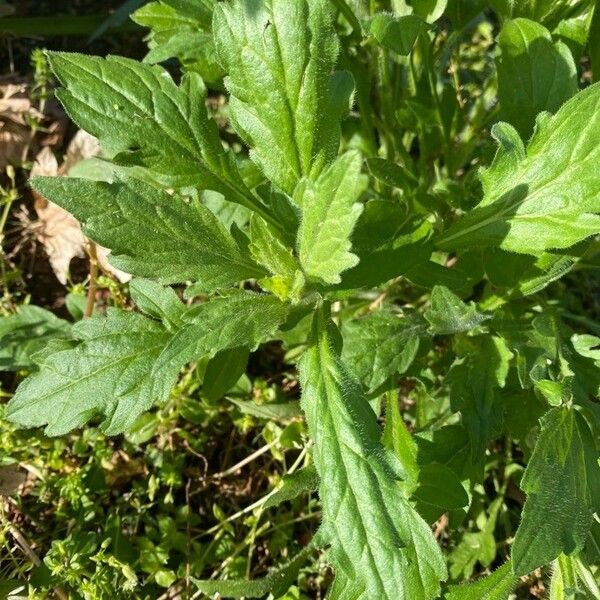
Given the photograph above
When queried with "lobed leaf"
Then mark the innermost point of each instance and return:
(106, 374)
(285, 102)
(329, 213)
(152, 233)
(474, 381)
(543, 197)
(381, 345)
(181, 29)
(239, 320)
(379, 546)
(559, 481)
(448, 314)
(142, 118)
(535, 74)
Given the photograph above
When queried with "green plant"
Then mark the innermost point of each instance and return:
(356, 232)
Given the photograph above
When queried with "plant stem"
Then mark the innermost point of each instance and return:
(32, 556)
(350, 17)
(259, 502)
(91, 296)
(245, 461)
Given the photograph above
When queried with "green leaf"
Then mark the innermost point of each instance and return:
(223, 371)
(391, 174)
(534, 74)
(564, 584)
(381, 345)
(379, 546)
(544, 197)
(431, 10)
(553, 391)
(386, 245)
(473, 548)
(397, 439)
(285, 102)
(143, 430)
(269, 251)
(276, 583)
(304, 480)
(158, 301)
(396, 33)
(142, 118)
(329, 213)
(548, 12)
(194, 49)
(173, 14)
(278, 411)
(448, 314)
(529, 274)
(25, 333)
(496, 586)
(107, 374)
(473, 389)
(575, 32)
(242, 319)
(449, 445)
(440, 487)
(476, 547)
(227, 212)
(557, 515)
(429, 274)
(152, 233)
(548, 268)
(181, 29)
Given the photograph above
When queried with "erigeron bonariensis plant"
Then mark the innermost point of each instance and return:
(355, 205)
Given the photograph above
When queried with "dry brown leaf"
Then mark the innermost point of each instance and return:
(59, 232)
(15, 103)
(16, 113)
(102, 255)
(11, 479)
(45, 164)
(13, 140)
(82, 146)
(15, 110)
